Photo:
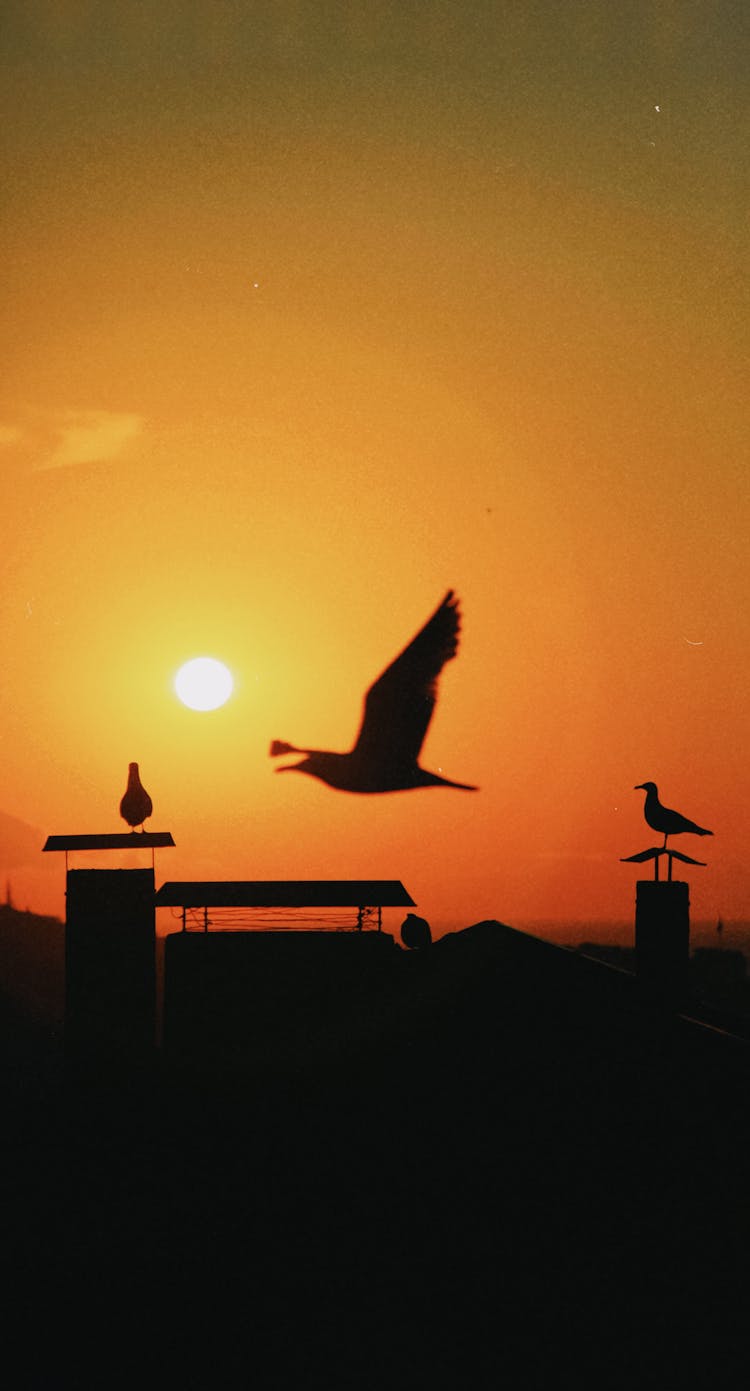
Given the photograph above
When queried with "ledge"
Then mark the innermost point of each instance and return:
(134, 840)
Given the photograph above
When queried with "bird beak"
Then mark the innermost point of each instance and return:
(639, 787)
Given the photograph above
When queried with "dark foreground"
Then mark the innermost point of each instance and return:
(525, 1175)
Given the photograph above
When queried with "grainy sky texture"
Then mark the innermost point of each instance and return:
(312, 311)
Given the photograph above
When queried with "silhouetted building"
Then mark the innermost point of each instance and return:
(270, 999)
(274, 1000)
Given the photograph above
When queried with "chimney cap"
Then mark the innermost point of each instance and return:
(119, 840)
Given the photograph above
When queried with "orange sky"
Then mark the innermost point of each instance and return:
(309, 321)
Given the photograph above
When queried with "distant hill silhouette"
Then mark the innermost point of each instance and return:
(20, 843)
(33, 878)
(32, 967)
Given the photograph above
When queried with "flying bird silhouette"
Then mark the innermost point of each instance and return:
(397, 711)
(661, 819)
(136, 805)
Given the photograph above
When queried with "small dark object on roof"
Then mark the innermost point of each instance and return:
(415, 932)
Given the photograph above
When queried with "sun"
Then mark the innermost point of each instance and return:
(204, 683)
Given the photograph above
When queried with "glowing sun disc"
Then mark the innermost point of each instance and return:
(203, 684)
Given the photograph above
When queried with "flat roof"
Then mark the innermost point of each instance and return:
(119, 840)
(284, 893)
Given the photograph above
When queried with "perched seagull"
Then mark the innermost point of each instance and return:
(661, 819)
(415, 932)
(136, 805)
(398, 709)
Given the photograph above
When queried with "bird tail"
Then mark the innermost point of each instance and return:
(436, 781)
(699, 831)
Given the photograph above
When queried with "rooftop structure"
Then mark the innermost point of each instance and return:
(367, 896)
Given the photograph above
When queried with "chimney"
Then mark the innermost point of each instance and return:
(110, 954)
(662, 939)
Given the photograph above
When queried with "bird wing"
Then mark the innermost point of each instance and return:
(399, 704)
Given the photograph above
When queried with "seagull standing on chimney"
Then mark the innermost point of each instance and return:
(661, 819)
(136, 805)
(397, 712)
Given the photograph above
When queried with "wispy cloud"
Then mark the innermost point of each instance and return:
(90, 437)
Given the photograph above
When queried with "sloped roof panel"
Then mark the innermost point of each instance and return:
(284, 893)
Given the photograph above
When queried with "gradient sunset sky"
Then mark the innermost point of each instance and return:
(312, 311)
